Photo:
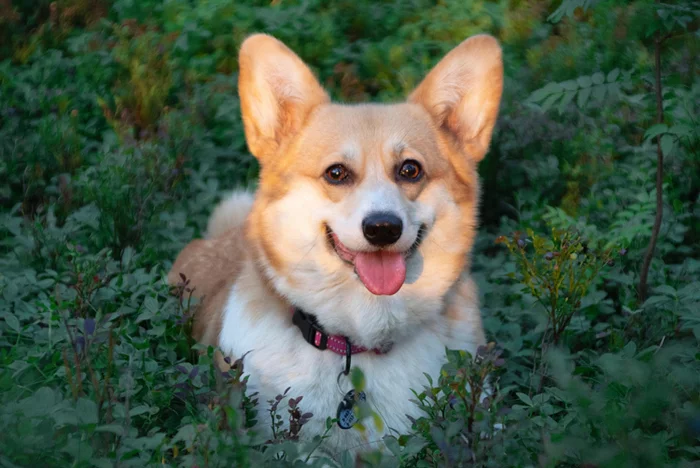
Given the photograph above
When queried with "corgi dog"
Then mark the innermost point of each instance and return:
(354, 248)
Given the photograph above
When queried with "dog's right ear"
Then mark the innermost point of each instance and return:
(277, 92)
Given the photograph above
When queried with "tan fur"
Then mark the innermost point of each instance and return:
(267, 252)
(275, 77)
(213, 265)
(462, 98)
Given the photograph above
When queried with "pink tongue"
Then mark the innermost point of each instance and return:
(383, 273)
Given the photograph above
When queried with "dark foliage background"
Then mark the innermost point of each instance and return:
(120, 128)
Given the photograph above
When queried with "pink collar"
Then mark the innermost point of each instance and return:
(312, 332)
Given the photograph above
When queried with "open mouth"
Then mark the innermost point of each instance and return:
(383, 272)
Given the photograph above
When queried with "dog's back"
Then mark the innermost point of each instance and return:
(212, 265)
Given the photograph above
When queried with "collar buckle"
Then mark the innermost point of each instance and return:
(310, 329)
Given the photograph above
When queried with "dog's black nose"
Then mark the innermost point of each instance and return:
(382, 229)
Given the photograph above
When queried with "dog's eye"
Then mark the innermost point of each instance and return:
(337, 174)
(410, 171)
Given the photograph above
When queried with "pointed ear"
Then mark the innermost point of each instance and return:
(277, 92)
(463, 92)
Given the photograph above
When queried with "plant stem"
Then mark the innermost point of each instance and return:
(642, 288)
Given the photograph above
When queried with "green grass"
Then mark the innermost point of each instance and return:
(120, 129)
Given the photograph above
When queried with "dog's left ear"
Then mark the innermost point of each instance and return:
(463, 92)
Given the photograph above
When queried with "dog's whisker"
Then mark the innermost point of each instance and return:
(306, 254)
(438, 245)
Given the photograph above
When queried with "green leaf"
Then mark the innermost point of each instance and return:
(139, 410)
(655, 130)
(157, 330)
(613, 90)
(568, 8)
(566, 100)
(665, 289)
(612, 76)
(656, 300)
(13, 322)
(87, 411)
(45, 283)
(102, 462)
(584, 81)
(393, 445)
(357, 377)
(668, 143)
(549, 102)
(113, 428)
(582, 97)
(414, 445)
(599, 94)
(681, 130)
(598, 78)
(127, 255)
(547, 90)
(538, 95)
(186, 434)
(151, 303)
(10, 292)
(524, 398)
(569, 85)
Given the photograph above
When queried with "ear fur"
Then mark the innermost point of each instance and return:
(277, 91)
(463, 93)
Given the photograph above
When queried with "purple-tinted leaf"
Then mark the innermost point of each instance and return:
(503, 411)
(79, 344)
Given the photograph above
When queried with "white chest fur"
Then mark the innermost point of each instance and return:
(278, 357)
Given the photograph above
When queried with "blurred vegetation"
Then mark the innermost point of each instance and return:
(120, 128)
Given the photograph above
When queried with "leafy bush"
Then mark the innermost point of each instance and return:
(120, 128)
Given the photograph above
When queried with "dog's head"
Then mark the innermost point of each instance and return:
(365, 214)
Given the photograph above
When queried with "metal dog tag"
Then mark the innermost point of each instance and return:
(346, 416)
